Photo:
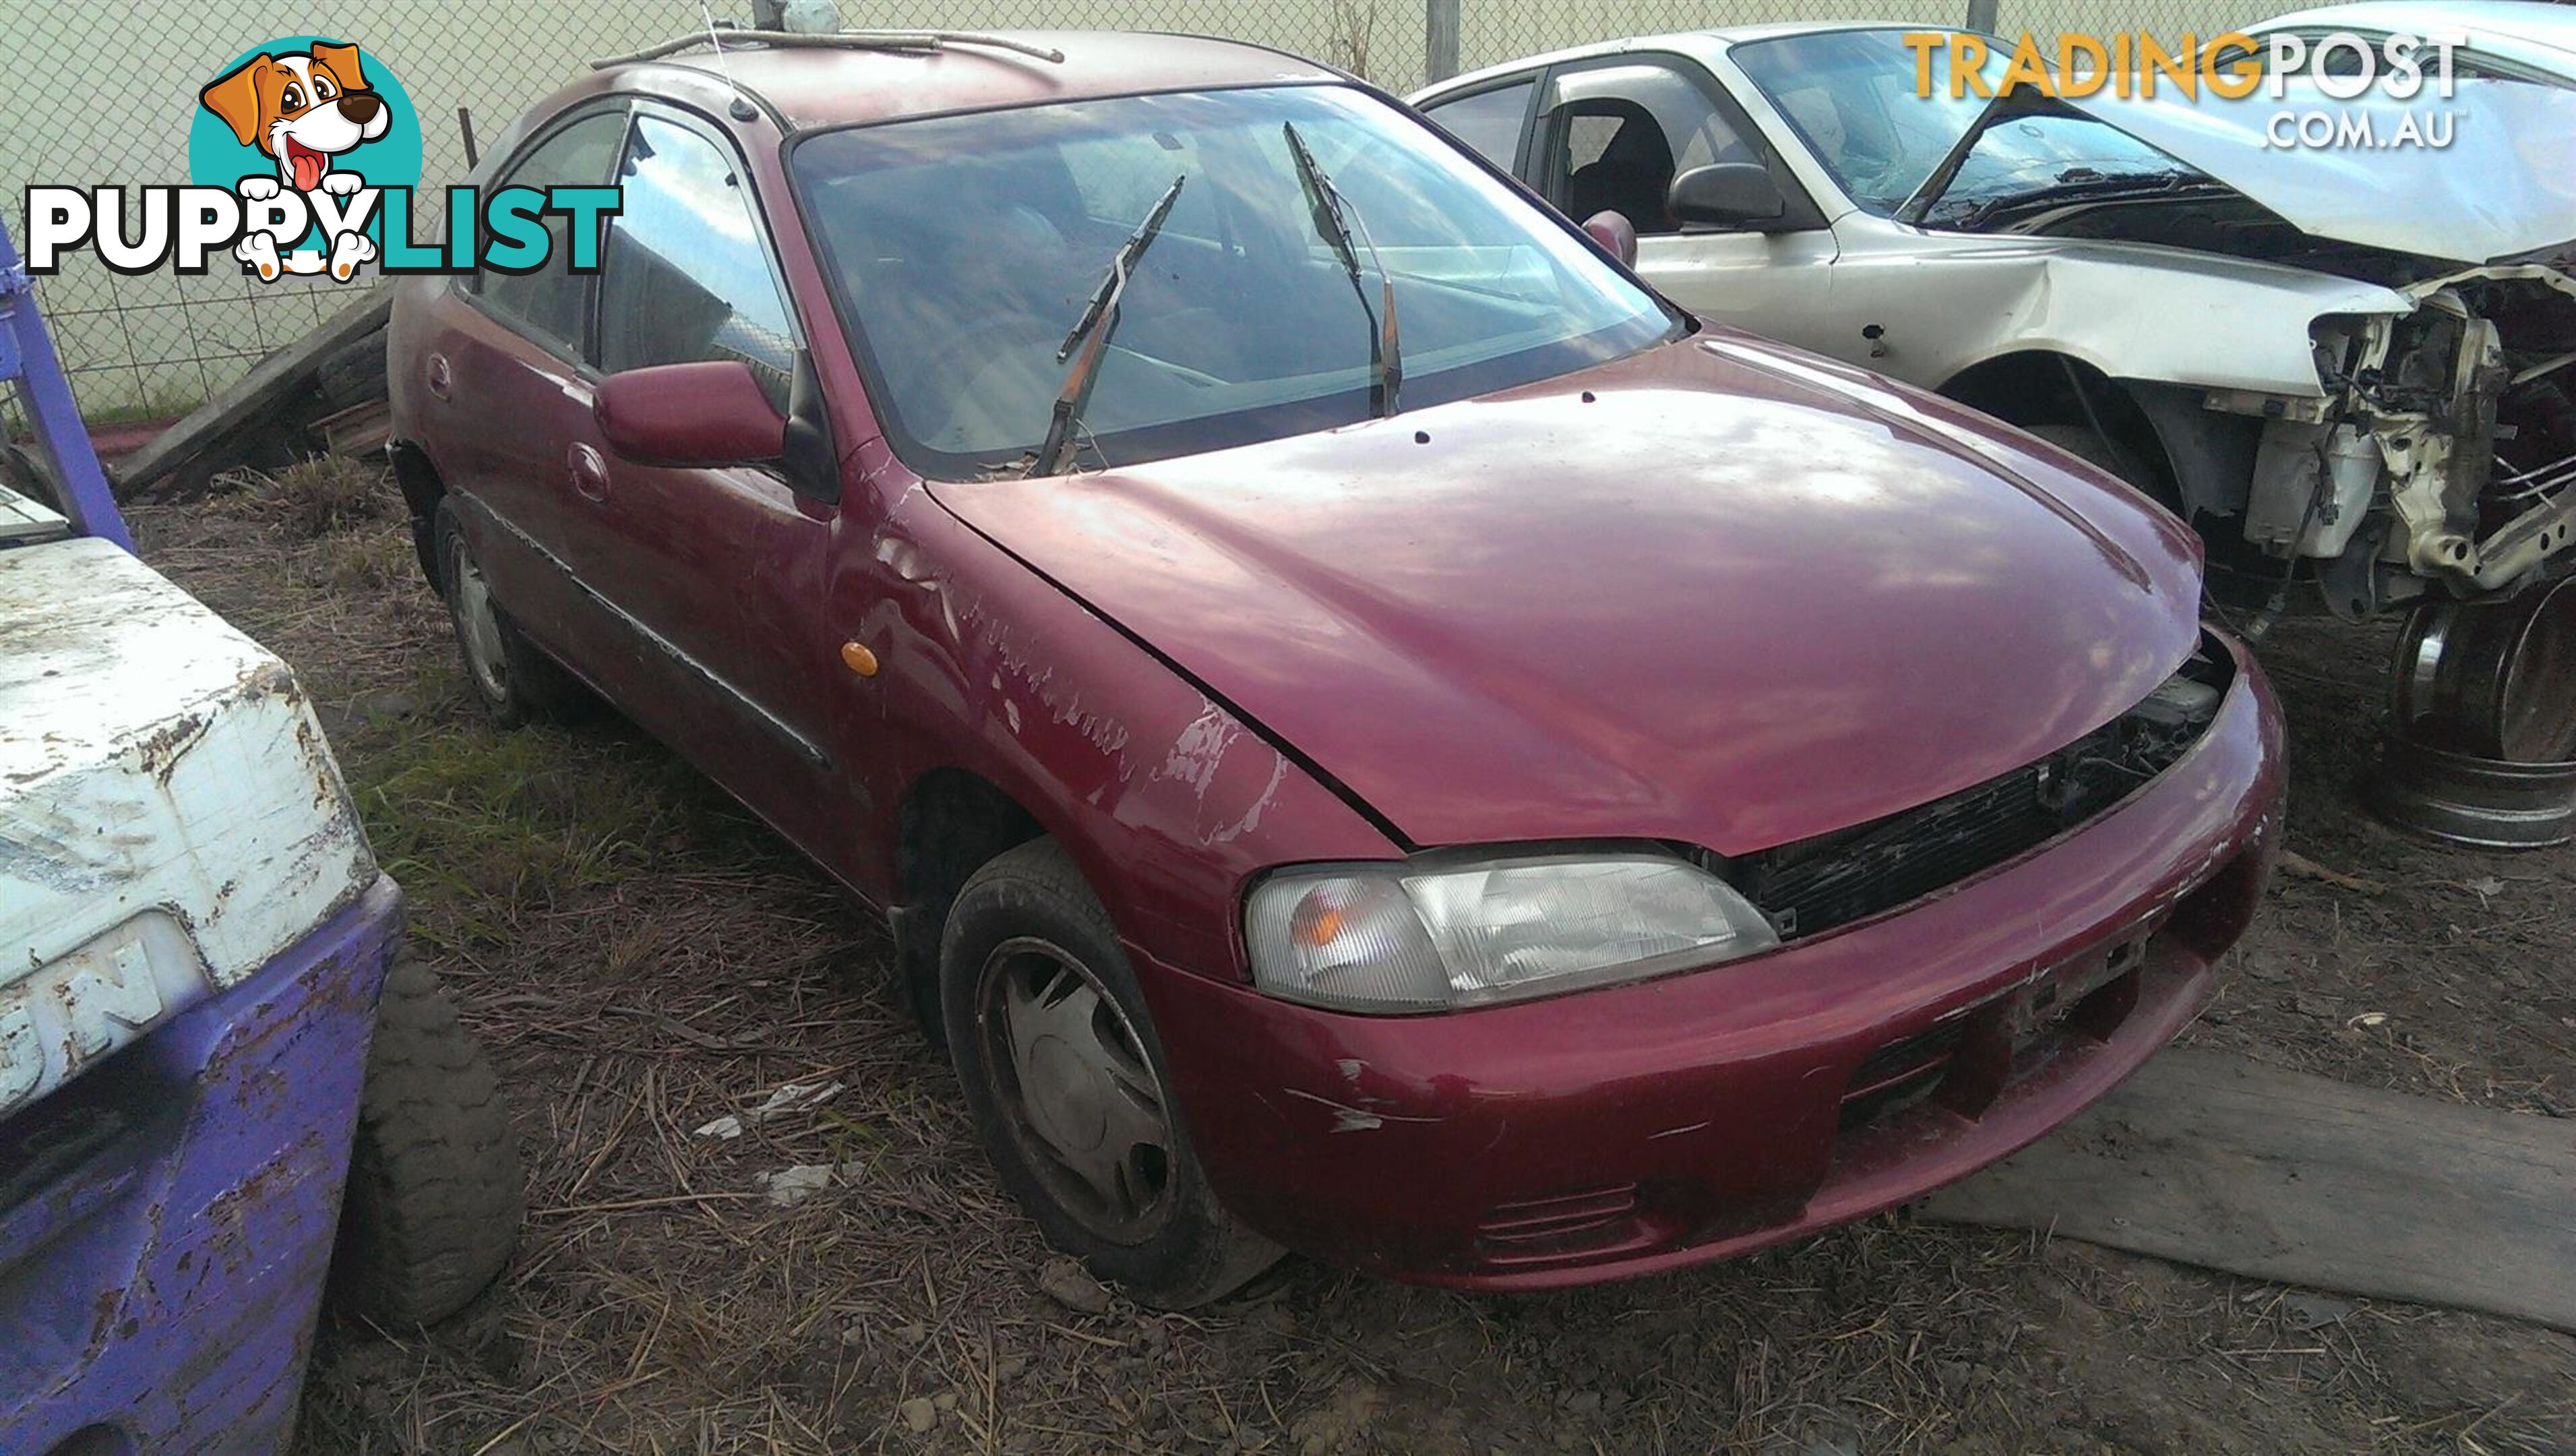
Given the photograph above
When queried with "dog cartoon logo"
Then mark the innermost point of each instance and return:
(303, 113)
(303, 110)
(303, 155)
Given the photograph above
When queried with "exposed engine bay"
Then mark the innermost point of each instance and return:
(2439, 450)
(2442, 453)
(2432, 450)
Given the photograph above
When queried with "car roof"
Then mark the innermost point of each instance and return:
(1716, 38)
(822, 86)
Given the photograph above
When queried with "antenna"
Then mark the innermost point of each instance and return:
(856, 40)
(742, 109)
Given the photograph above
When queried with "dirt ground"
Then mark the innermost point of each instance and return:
(642, 958)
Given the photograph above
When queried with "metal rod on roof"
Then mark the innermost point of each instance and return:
(886, 40)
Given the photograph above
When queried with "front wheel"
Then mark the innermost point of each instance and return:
(1066, 1080)
(512, 677)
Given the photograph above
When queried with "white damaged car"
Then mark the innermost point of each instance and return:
(2346, 364)
(2515, 40)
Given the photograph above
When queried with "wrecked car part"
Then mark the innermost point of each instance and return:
(2450, 427)
(2481, 742)
(2312, 484)
(193, 939)
(2483, 803)
(2495, 679)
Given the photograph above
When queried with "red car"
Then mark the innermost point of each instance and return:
(1375, 733)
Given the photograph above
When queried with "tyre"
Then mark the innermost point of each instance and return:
(434, 1197)
(1069, 1087)
(354, 373)
(2112, 458)
(25, 472)
(514, 679)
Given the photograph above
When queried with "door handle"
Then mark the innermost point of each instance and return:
(589, 472)
(442, 379)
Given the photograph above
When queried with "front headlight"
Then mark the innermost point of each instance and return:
(1430, 937)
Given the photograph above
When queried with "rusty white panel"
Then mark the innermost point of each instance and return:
(170, 817)
(21, 518)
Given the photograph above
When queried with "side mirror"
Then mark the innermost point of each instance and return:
(1613, 231)
(1727, 194)
(702, 414)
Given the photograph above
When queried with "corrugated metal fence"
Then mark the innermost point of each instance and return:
(106, 92)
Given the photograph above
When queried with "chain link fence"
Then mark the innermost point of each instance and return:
(156, 344)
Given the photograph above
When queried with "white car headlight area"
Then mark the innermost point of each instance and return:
(1418, 936)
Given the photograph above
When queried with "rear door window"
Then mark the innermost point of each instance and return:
(1489, 121)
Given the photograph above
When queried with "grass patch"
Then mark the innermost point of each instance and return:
(158, 407)
(495, 823)
(315, 496)
(360, 561)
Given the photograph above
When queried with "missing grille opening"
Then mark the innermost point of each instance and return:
(1817, 884)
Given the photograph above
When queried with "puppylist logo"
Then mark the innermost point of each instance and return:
(2341, 67)
(302, 157)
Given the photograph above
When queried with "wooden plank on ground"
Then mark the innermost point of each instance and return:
(359, 430)
(2207, 1158)
(255, 397)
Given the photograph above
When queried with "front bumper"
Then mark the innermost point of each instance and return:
(1617, 1132)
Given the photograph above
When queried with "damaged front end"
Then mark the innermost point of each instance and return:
(2439, 456)
(2433, 451)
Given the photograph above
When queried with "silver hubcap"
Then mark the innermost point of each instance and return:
(476, 626)
(1072, 1077)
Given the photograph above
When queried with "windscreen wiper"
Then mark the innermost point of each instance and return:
(1099, 320)
(2018, 101)
(1334, 220)
(2099, 189)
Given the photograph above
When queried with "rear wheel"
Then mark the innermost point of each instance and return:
(23, 471)
(513, 678)
(434, 1197)
(1067, 1082)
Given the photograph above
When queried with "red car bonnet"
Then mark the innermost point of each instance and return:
(1716, 592)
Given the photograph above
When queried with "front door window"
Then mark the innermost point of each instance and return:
(1623, 132)
(685, 277)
